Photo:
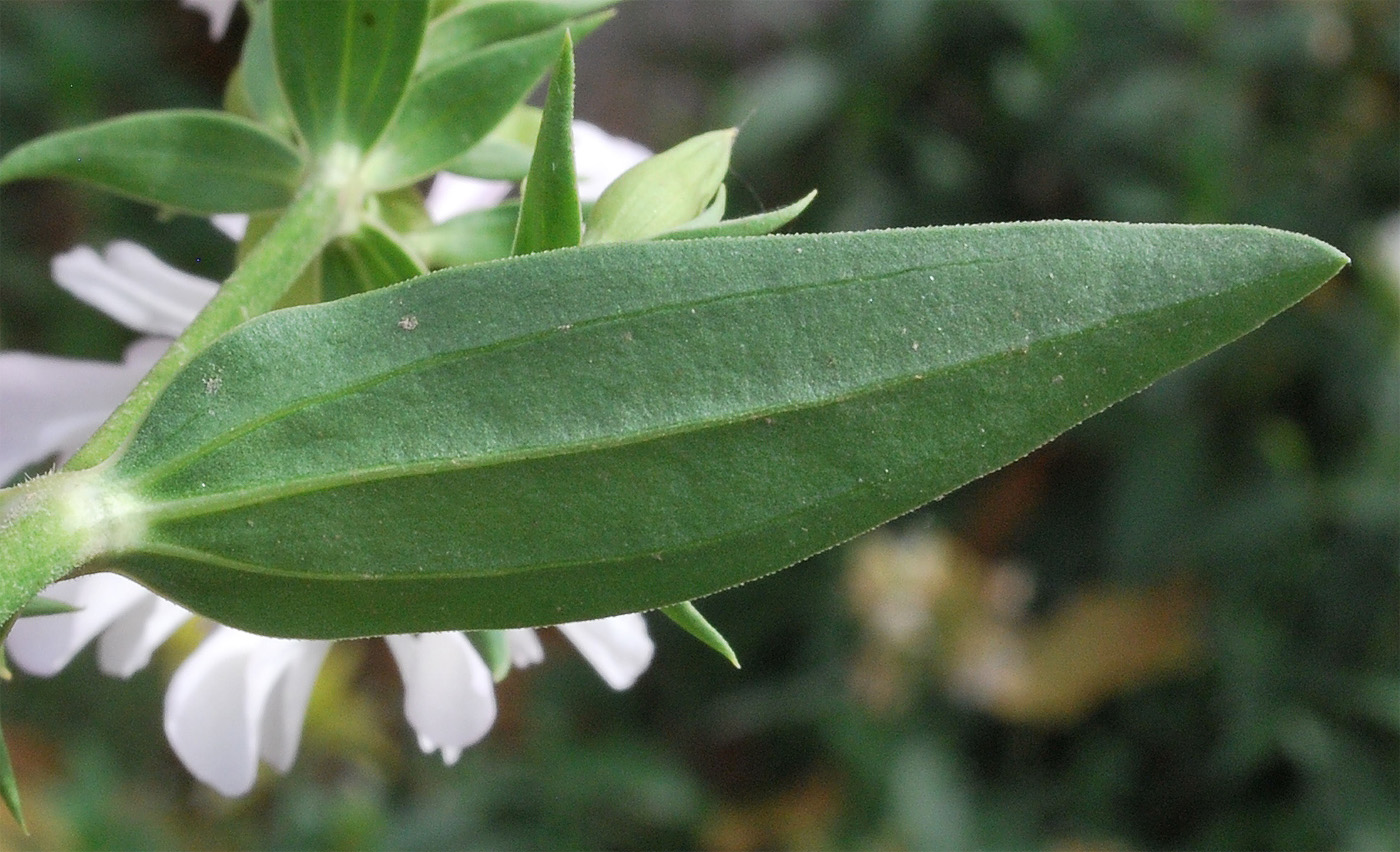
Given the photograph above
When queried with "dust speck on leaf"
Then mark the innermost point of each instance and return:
(408, 322)
(212, 384)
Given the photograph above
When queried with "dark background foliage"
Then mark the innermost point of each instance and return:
(1176, 627)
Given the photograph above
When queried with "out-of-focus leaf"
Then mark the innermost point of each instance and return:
(9, 788)
(253, 90)
(506, 151)
(468, 238)
(746, 226)
(344, 66)
(450, 109)
(195, 161)
(549, 213)
(472, 27)
(494, 651)
(366, 260)
(585, 432)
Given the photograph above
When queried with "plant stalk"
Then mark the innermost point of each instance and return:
(300, 233)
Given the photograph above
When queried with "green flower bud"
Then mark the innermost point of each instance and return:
(662, 192)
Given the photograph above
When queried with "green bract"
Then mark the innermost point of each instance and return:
(549, 209)
(662, 192)
(592, 431)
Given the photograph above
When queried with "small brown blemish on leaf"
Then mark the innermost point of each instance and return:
(627, 337)
(408, 322)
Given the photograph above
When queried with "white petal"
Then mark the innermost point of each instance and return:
(218, 11)
(600, 158)
(617, 647)
(126, 647)
(448, 696)
(222, 697)
(50, 406)
(452, 195)
(44, 644)
(233, 225)
(524, 647)
(286, 707)
(133, 287)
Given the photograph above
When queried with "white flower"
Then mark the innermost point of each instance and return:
(240, 698)
(447, 691)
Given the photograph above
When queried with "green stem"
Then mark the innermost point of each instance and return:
(299, 235)
(48, 527)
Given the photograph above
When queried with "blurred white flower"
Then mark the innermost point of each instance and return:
(241, 698)
(1387, 250)
(600, 158)
(219, 12)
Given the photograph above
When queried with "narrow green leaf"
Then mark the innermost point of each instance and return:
(195, 161)
(9, 787)
(366, 260)
(469, 238)
(344, 66)
(691, 621)
(550, 217)
(584, 432)
(45, 606)
(747, 226)
(451, 108)
(473, 27)
(664, 191)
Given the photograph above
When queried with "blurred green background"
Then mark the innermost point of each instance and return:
(1176, 627)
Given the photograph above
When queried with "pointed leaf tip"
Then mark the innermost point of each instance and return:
(691, 621)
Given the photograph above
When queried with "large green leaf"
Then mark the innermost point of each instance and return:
(449, 109)
(344, 65)
(591, 431)
(196, 161)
